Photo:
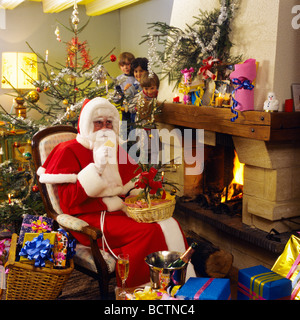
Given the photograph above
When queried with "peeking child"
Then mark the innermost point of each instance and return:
(125, 80)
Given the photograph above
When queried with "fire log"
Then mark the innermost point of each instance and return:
(209, 260)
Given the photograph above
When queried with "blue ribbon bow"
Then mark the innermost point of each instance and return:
(245, 84)
(38, 249)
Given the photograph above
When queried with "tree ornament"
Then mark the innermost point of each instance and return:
(33, 96)
(35, 188)
(113, 58)
(17, 144)
(27, 155)
(65, 102)
(57, 34)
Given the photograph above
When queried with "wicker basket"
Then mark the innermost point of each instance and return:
(154, 213)
(26, 282)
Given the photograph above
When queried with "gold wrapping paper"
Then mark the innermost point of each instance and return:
(285, 261)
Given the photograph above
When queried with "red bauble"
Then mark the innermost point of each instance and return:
(17, 144)
(38, 89)
(35, 188)
(113, 58)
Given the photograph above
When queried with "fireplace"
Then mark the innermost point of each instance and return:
(221, 182)
(268, 144)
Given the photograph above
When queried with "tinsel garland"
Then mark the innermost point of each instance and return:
(199, 48)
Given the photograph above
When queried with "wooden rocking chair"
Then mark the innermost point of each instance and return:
(89, 260)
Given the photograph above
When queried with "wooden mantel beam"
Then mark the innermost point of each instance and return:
(260, 125)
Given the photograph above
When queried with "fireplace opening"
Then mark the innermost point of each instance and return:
(222, 179)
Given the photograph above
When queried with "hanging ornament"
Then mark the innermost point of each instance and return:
(17, 144)
(35, 188)
(27, 155)
(33, 96)
(74, 17)
(57, 34)
(65, 102)
(113, 58)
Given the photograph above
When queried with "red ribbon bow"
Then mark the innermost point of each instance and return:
(147, 179)
(207, 65)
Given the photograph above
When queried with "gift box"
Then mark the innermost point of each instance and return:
(205, 289)
(34, 224)
(260, 283)
(287, 265)
(38, 249)
(60, 249)
(243, 76)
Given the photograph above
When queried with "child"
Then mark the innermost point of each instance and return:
(139, 66)
(124, 81)
(145, 115)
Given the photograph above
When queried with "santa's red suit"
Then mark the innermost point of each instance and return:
(86, 193)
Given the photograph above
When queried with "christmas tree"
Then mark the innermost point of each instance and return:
(66, 86)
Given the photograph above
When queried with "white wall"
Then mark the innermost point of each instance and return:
(134, 23)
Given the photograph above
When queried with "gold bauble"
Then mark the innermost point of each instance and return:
(33, 96)
(65, 102)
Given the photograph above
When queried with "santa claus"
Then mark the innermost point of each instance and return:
(92, 183)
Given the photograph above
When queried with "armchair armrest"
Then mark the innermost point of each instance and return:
(76, 224)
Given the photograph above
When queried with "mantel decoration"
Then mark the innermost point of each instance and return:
(204, 46)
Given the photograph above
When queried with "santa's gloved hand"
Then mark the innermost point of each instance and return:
(101, 155)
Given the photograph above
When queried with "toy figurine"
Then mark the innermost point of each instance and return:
(272, 104)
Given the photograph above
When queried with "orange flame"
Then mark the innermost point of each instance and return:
(237, 181)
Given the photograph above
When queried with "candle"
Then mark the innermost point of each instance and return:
(106, 86)
(19, 114)
(219, 101)
(9, 196)
(47, 53)
(162, 176)
(176, 99)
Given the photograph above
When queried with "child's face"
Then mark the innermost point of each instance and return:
(125, 68)
(138, 72)
(150, 91)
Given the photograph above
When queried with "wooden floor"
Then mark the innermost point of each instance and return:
(82, 287)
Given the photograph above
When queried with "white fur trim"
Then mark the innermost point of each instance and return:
(55, 178)
(175, 241)
(91, 181)
(173, 235)
(113, 203)
(40, 171)
(58, 178)
(129, 185)
(83, 141)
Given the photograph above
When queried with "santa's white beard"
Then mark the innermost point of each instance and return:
(111, 172)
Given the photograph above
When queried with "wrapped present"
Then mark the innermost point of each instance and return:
(38, 249)
(243, 76)
(34, 224)
(205, 289)
(260, 283)
(287, 265)
(4, 249)
(60, 249)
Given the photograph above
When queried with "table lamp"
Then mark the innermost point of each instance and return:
(19, 71)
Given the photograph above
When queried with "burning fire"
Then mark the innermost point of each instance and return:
(235, 188)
